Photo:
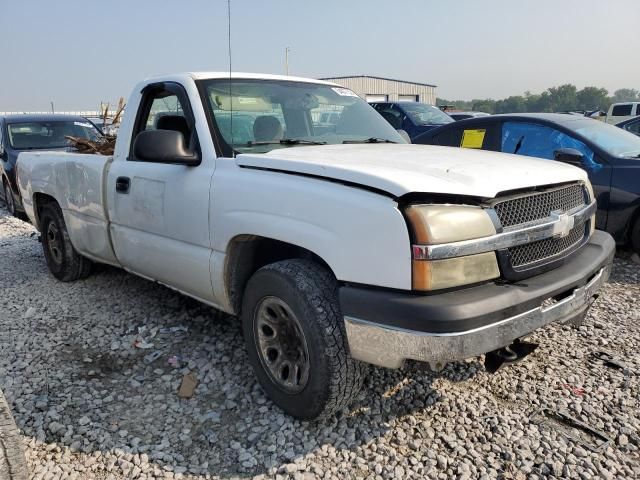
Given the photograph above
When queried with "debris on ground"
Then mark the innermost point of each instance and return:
(572, 428)
(577, 391)
(188, 385)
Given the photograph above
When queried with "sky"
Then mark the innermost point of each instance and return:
(78, 53)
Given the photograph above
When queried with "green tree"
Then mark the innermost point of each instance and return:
(487, 105)
(625, 95)
(563, 98)
(513, 104)
(593, 98)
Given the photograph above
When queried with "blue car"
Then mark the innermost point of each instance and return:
(610, 156)
(19, 133)
(414, 118)
(632, 125)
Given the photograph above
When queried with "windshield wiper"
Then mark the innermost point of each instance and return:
(286, 141)
(370, 140)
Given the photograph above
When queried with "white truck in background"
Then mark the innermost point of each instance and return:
(337, 244)
(619, 112)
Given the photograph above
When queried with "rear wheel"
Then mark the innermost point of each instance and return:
(12, 461)
(8, 199)
(294, 332)
(64, 262)
(635, 236)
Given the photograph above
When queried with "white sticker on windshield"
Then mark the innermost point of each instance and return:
(344, 92)
(81, 124)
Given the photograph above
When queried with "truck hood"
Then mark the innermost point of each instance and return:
(401, 169)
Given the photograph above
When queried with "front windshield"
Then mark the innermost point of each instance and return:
(49, 134)
(269, 114)
(613, 140)
(424, 114)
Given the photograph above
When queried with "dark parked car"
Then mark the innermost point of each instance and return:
(412, 117)
(19, 133)
(610, 155)
(632, 125)
(465, 115)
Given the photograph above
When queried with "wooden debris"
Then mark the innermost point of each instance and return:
(106, 146)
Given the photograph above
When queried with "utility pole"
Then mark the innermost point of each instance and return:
(52, 111)
(286, 60)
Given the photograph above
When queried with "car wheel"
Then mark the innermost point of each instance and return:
(9, 200)
(12, 462)
(64, 262)
(635, 236)
(296, 341)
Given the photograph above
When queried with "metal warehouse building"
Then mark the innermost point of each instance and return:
(378, 89)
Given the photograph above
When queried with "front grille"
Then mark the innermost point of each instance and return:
(539, 205)
(530, 253)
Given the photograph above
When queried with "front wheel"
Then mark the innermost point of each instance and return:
(296, 340)
(64, 262)
(12, 461)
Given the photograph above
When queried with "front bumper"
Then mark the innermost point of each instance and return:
(387, 328)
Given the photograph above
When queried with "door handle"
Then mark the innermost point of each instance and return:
(123, 184)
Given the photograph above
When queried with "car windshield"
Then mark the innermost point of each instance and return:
(257, 116)
(49, 134)
(613, 140)
(424, 114)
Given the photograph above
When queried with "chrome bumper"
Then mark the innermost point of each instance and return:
(390, 347)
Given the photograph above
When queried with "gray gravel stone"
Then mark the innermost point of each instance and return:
(91, 408)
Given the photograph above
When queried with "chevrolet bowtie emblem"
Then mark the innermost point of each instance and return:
(563, 224)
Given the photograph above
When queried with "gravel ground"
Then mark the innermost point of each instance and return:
(91, 405)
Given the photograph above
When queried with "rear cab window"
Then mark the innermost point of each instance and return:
(622, 110)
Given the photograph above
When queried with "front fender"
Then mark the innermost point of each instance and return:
(361, 235)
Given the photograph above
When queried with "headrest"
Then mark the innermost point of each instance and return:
(176, 123)
(267, 127)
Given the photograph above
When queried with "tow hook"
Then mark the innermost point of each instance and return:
(509, 354)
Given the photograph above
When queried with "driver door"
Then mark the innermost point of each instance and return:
(160, 212)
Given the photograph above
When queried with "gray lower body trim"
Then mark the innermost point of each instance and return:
(390, 347)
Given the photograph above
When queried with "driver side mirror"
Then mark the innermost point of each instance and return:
(569, 155)
(164, 146)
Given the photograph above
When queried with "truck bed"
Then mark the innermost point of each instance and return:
(77, 182)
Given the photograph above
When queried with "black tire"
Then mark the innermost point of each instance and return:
(635, 236)
(64, 262)
(9, 201)
(310, 293)
(12, 462)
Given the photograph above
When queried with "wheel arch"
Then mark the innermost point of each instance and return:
(246, 254)
(39, 202)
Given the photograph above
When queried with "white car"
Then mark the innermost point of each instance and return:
(619, 112)
(335, 248)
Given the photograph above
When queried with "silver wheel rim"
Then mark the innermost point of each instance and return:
(282, 347)
(54, 243)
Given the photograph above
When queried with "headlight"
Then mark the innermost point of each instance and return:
(434, 224)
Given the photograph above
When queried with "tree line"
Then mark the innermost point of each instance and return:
(555, 99)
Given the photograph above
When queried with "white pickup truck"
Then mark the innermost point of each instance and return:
(337, 245)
